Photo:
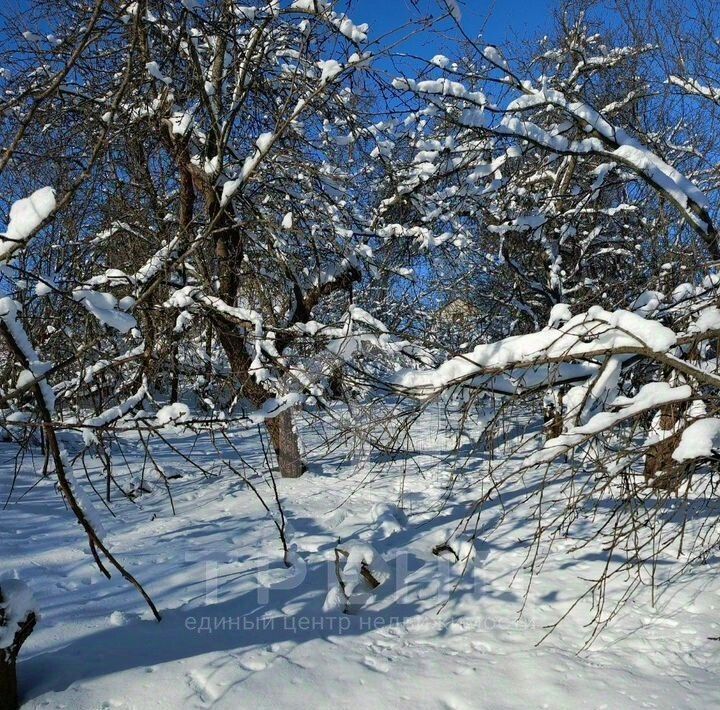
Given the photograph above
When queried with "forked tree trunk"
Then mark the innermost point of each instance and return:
(281, 431)
(229, 254)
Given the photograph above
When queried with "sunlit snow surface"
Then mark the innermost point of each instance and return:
(241, 630)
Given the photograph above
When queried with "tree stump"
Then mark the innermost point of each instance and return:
(14, 630)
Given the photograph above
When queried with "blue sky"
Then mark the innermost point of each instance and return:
(497, 20)
(500, 22)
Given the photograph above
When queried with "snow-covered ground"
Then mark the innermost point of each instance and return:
(240, 630)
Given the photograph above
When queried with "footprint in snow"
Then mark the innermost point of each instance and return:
(201, 686)
(464, 670)
(376, 664)
(481, 646)
(253, 664)
(335, 518)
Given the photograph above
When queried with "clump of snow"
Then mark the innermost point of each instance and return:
(647, 302)
(104, 307)
(457, 548)
(560, 313)
(361, 555)
(275, 405)
(263, 144)
(588, 333)
(171, 413)
(112, 414)
(709, 319)
(701, 439)
(356, 33)
(153, 69)
(181, 122)
(346, 27)
(26, 216)
(16, 604)
(492, 54)
(24, 379)
(117, 618)
(264, 141)
(309, 5)
(454, 9)
(651, 396)
(43, 288)
(329, 69)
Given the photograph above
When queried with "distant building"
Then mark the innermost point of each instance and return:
(457, 311)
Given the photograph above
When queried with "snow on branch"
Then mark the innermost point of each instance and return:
(650, 397)
(26, 217)
(519, 118)
(585, 336)
(695, 88)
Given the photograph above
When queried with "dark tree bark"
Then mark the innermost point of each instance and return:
(282, 433)
(8, 661)
(286, 445)
(228, 255)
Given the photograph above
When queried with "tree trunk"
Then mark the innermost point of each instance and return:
(175, 381)
(285, 443)
(553, 413)
(8, 681)
(8, 661)
(229, 254)
(282, 433)
(661, 471)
